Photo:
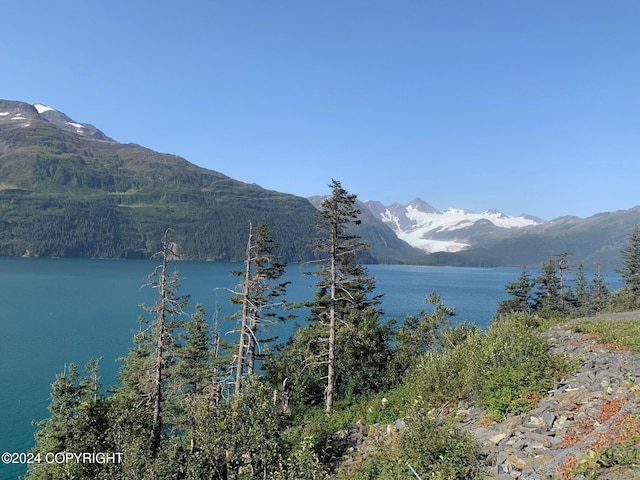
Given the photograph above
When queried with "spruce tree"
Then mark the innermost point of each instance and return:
(147, 369)
(244, 300)
(630, 271)
(193, 370)
(562, 268)
(167, 308)
(582, 295)
(79, 422)
(548, 296)
(267, 292)
(260, 293)
(343, 282)
(598, 292)
(520, 291)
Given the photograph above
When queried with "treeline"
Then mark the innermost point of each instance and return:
(561, 290)
(191, 406)
(110, 226)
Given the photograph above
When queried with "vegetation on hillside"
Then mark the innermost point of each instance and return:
(62, 195)
(189, 407)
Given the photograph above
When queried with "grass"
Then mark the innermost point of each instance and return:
(623, 334)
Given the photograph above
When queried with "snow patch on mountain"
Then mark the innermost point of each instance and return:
(79, 128)
(42, 108)
(63, 122)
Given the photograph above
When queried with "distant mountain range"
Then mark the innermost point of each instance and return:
(69, 190)
(492, 238)
(451, 230)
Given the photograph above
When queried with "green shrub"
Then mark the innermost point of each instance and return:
(449, 374)
(514, 389)
(623, 300)
(303, 463)
(435, 450)
(505, 369)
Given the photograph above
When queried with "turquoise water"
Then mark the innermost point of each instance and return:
(58, 311)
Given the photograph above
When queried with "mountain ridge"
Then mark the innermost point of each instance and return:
(451, 230)
(67, 192)
(67, 189)
(459, 237)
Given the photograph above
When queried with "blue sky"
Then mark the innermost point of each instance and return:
(522, 106)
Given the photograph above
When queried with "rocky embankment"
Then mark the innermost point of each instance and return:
(579, 411)
(583, 409)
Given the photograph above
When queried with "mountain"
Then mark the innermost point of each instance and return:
(451, 230)
(63, 122)
(595, 239)
(383, 244)
(68, 190)
(461, 238)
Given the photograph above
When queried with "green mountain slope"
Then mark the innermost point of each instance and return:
(67, 194)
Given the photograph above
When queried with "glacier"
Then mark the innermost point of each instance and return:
(451, 230)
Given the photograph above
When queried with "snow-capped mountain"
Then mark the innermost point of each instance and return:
(450, 230)
(23, 115)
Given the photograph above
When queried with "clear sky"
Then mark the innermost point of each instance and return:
(522, 106)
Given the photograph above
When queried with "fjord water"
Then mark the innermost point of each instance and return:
(61, 311)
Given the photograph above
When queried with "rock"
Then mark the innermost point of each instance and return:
(548, 418)
(517, 462)
(497, 438)
(534, 422)
(531, 446)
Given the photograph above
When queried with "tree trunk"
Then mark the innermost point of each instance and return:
(159, 360)
(331, 360)
(245, 316)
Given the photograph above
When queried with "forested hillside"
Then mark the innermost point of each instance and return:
(68, 195)
(68, 190)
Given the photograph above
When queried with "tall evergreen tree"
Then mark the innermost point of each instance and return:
(630, 271)
(268, 290)
(244, 300)
(194, 370)
(562, 268)
(548, 295)
(520, 291)
(146, 371)
(261, 290)
(167, 308)
(343, 282)
(598, 292)
(582, 294)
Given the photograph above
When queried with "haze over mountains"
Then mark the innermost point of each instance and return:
(67, 189)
